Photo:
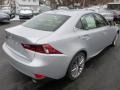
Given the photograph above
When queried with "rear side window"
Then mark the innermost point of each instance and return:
(46, 22)
(88, 22)
(100, 21)
(79, 25)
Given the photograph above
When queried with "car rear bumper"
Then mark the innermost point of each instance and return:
(54, 67)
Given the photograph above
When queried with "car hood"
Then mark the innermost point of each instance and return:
(31, 35)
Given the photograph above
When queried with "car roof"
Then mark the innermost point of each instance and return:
(70, 12)
(114, 3)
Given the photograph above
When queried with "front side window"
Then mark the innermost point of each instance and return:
(88, 22)
(100, 21)
(46, 22)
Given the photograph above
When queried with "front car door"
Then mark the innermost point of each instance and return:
(107, 30)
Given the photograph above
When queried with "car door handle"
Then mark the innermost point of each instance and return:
(85, 37)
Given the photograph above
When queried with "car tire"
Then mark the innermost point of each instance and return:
(115, 40)
(76, 66)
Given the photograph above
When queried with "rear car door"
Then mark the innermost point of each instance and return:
(89, 34)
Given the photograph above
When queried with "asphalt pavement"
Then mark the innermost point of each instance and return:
(101, 72)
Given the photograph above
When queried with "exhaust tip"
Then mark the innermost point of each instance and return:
(34, 81)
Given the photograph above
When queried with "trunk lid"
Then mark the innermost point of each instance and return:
(19, 35)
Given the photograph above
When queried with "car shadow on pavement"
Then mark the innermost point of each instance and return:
(95, 60)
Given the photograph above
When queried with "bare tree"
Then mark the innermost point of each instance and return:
(1, 2)
(83, 3)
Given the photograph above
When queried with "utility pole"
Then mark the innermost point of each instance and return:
(84, 1)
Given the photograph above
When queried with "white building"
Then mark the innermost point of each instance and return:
(33, 4)
(116, 0)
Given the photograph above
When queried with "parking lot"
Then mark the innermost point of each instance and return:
(101, 73)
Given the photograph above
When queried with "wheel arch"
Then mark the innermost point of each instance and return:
(83, 51)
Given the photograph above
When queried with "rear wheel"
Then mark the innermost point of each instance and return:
(76, 66)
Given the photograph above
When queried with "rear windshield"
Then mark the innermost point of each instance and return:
(46, 22)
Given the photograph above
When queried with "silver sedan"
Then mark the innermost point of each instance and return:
(57, 43)
(4, 17)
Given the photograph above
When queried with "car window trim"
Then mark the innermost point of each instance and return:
(82, 28)
(106, 22)
(81, 24)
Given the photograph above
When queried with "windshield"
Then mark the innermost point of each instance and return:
(46, 22)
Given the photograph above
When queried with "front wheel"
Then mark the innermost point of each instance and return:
(115, 39)
(76, 66)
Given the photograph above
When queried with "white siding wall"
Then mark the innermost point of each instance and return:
(33, 4)
(116, 0)
(28, 2)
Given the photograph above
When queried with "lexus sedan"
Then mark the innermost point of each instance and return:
(4, 17)
(56, 44)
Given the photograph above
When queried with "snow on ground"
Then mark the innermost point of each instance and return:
(16, 18)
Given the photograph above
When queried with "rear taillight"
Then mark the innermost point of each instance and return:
(38, 76)
(45, 48)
